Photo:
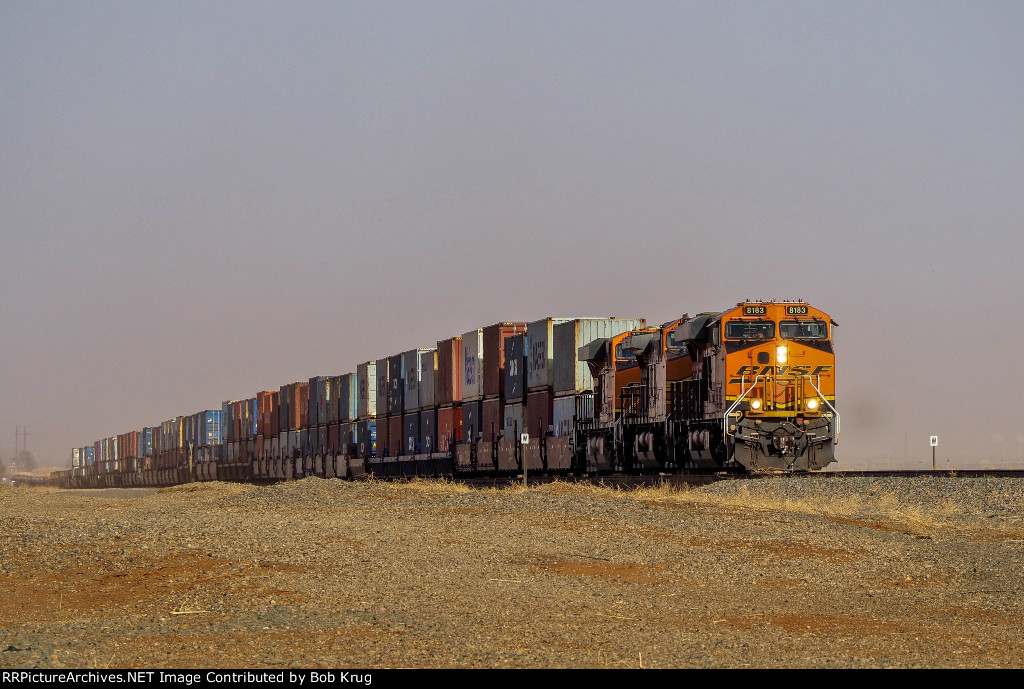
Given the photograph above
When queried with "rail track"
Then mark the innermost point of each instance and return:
(619, 481)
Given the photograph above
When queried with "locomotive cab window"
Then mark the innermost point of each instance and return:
(670, 341)
(749, 330)
(803, 330)
(623, 354)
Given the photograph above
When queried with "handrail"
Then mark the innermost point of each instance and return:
(725, 419)
(809, 380)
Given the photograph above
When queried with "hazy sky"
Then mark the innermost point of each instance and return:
(202, 200)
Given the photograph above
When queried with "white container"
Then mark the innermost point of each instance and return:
(366, 383)
(514, 421)
(473, 365)
(540, 349)
(348, 400)
(413, 370)
(381, 385)
(428, 375)
(570, 408)
(570, 375)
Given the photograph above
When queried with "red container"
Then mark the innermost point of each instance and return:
(492, 419)
(539, 412)
(494, 355)
(448, 382)
(266, 404)
(449, 427)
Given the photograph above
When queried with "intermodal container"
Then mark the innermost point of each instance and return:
(396, 384)
(366, 384)
(334, 439)
(513, 421)
(333, 399)
(321, 440)
(448, 384)
(316, 400)
(472, 365)
(472, 420)
(366, 438)
(347, 438)
(348, 397)
(300, 408)
(540, 352)
(515, 369)
(539, 413)
(382, 392)
(428, 430)
(570, 408)
(284, 409)
(492, 422)
(449, 427)
(394, 448)
(410, 380)
(428, 378)
(571, 375)
(411, 433)
(494, 355)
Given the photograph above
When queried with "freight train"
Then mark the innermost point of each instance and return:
(751, 388)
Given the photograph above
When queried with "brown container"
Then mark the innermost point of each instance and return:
(299, 406)
(261, 411)
(394, 435)
(274, 414)
(449, 427)
(539, 413)
(449, 371)
(334, 439)
(492, 419)
(494, 355)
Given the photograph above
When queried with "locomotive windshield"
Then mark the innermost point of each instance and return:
(803, 330)
(750, 330)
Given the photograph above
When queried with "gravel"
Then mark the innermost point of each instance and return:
(770, 572)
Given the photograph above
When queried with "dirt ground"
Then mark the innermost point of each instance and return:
(798, 572)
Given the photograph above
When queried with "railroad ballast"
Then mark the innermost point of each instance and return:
(750, 388)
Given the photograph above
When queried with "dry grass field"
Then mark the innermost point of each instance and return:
(773, 572)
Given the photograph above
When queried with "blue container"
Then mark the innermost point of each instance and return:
(317, 399)
(252, 418)
(210, 430)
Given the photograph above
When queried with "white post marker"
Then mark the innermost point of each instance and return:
(524, 440)
(934, 442)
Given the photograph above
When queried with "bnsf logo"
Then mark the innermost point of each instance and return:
(779, 371)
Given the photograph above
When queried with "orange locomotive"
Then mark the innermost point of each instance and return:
(752, 387)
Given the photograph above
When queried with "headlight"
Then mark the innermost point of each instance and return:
(780, 354)
(755, 405)
(812, 404)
